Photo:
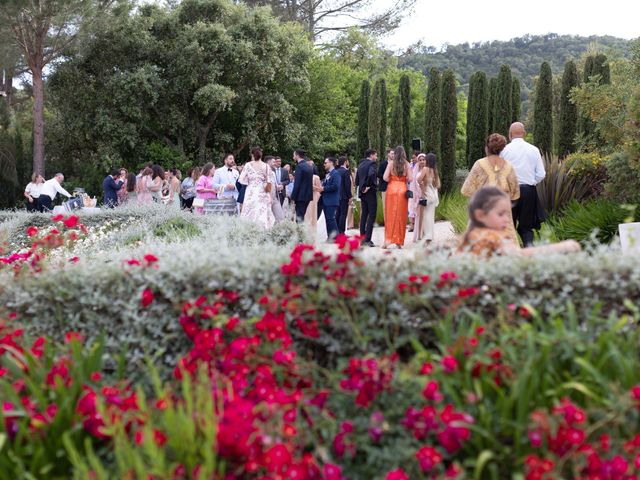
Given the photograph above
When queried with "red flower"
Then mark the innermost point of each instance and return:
(397, 474)
(332, 472)
(74, 259)
(150, 258)
(57, 218)
(71, 221)
(449, 363)
(147, 297)
(72, 336)
(427, 368)
(31, 231)
(428, 458)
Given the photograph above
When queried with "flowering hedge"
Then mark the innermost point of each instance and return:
(258, 392)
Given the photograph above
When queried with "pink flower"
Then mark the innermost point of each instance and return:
(71, 221)
(449, 363)
(147, 297)
(428, 458)
(397, 474)
(31, 231)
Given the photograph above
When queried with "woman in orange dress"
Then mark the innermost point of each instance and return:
(396, 208)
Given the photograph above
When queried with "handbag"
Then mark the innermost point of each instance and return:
(422, 202)
(198, 202)
(408, 194)
(268, 185)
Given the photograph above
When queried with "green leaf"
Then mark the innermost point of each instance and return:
(484, 457)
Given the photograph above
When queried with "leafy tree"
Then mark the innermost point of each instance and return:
(542, 115)
(568, 111)
(503, 107)
(405, 102)
(363, 119)
(433, 113)
(378, 116)
(477, 118)
(397, 127)
(448, 131)
(515, 101)
(43, 30)
(491, 105)
(325, 16)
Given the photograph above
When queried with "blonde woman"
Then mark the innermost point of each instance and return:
(32, 192)
(428, 182)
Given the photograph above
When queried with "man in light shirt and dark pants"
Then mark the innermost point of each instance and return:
(50, 190)
(529, 167)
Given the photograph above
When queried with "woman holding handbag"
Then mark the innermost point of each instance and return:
(256, 175)
(397, 173)
(204, 188)
(428, 182)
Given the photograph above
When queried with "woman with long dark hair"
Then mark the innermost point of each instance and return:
(397, 174)
(204, 185)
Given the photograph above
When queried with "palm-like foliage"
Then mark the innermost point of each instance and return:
(559, 187)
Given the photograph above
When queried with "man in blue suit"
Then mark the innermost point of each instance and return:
(331, 196)
(302, 192)
(345, 192)
(111, 187)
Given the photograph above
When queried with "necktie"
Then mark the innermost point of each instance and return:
(231, 170)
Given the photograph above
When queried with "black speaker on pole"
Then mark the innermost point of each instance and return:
(416, 144)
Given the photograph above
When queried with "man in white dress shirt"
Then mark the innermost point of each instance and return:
(529, 167)
(50, 189)
(225, 177)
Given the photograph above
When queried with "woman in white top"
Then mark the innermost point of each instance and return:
(32, 192)
(257, 202)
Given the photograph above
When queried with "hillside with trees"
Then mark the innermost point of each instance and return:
(523, 54)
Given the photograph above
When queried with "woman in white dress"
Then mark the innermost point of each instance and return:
(256, 175)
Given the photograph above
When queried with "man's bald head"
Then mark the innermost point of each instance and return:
(516, 130)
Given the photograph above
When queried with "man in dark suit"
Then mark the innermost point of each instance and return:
(345, 193)
(302, 192)
(382, 185)
(331, 196)
(366, 181)
(110, 188)
(282, 179)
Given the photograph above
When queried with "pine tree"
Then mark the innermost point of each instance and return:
(477, 117)
(568, 111)
(378, 117)
(515, 101)
(397, 127)
(448, 130)
(542, 113)
(491, 105)
(503, 109)
(362, 142)
(405, 102)
(432, 113)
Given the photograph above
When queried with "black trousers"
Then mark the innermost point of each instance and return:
(46, 204)
(343, 209)
(369, 203)
(33, 206)
(301, 210)
(526, 216)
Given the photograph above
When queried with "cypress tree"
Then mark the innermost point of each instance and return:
(397, 127)
(542, 113)
(477, 118)
(515, 101)
(586, 126)
(448, 130)
(472, 82)
(378, 117)
(405, 102)
(362, 142)
(601, 67)
(503, 111)
(568, 111)
(491, 106)
(432, 113)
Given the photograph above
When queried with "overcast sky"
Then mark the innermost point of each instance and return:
(436, 22)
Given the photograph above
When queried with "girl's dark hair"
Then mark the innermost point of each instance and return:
(157, 171)
(174, 171)
(495, 143)
(433, 165)
(399, 159)
(131, 182)
(206, 169)
(256, 153)
(146, 171)
(484, 199)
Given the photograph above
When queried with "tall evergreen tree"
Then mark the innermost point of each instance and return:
(601, 67)
(432, 113)
(472, 84)
(448, 131)
(405, 102)
(477, 118)
(568, 111)
(378, 117)
(594, 65)
(503, 107)
(515, 101)
(542, 113)
(491, 105)
(397, 128)
(362, 142)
